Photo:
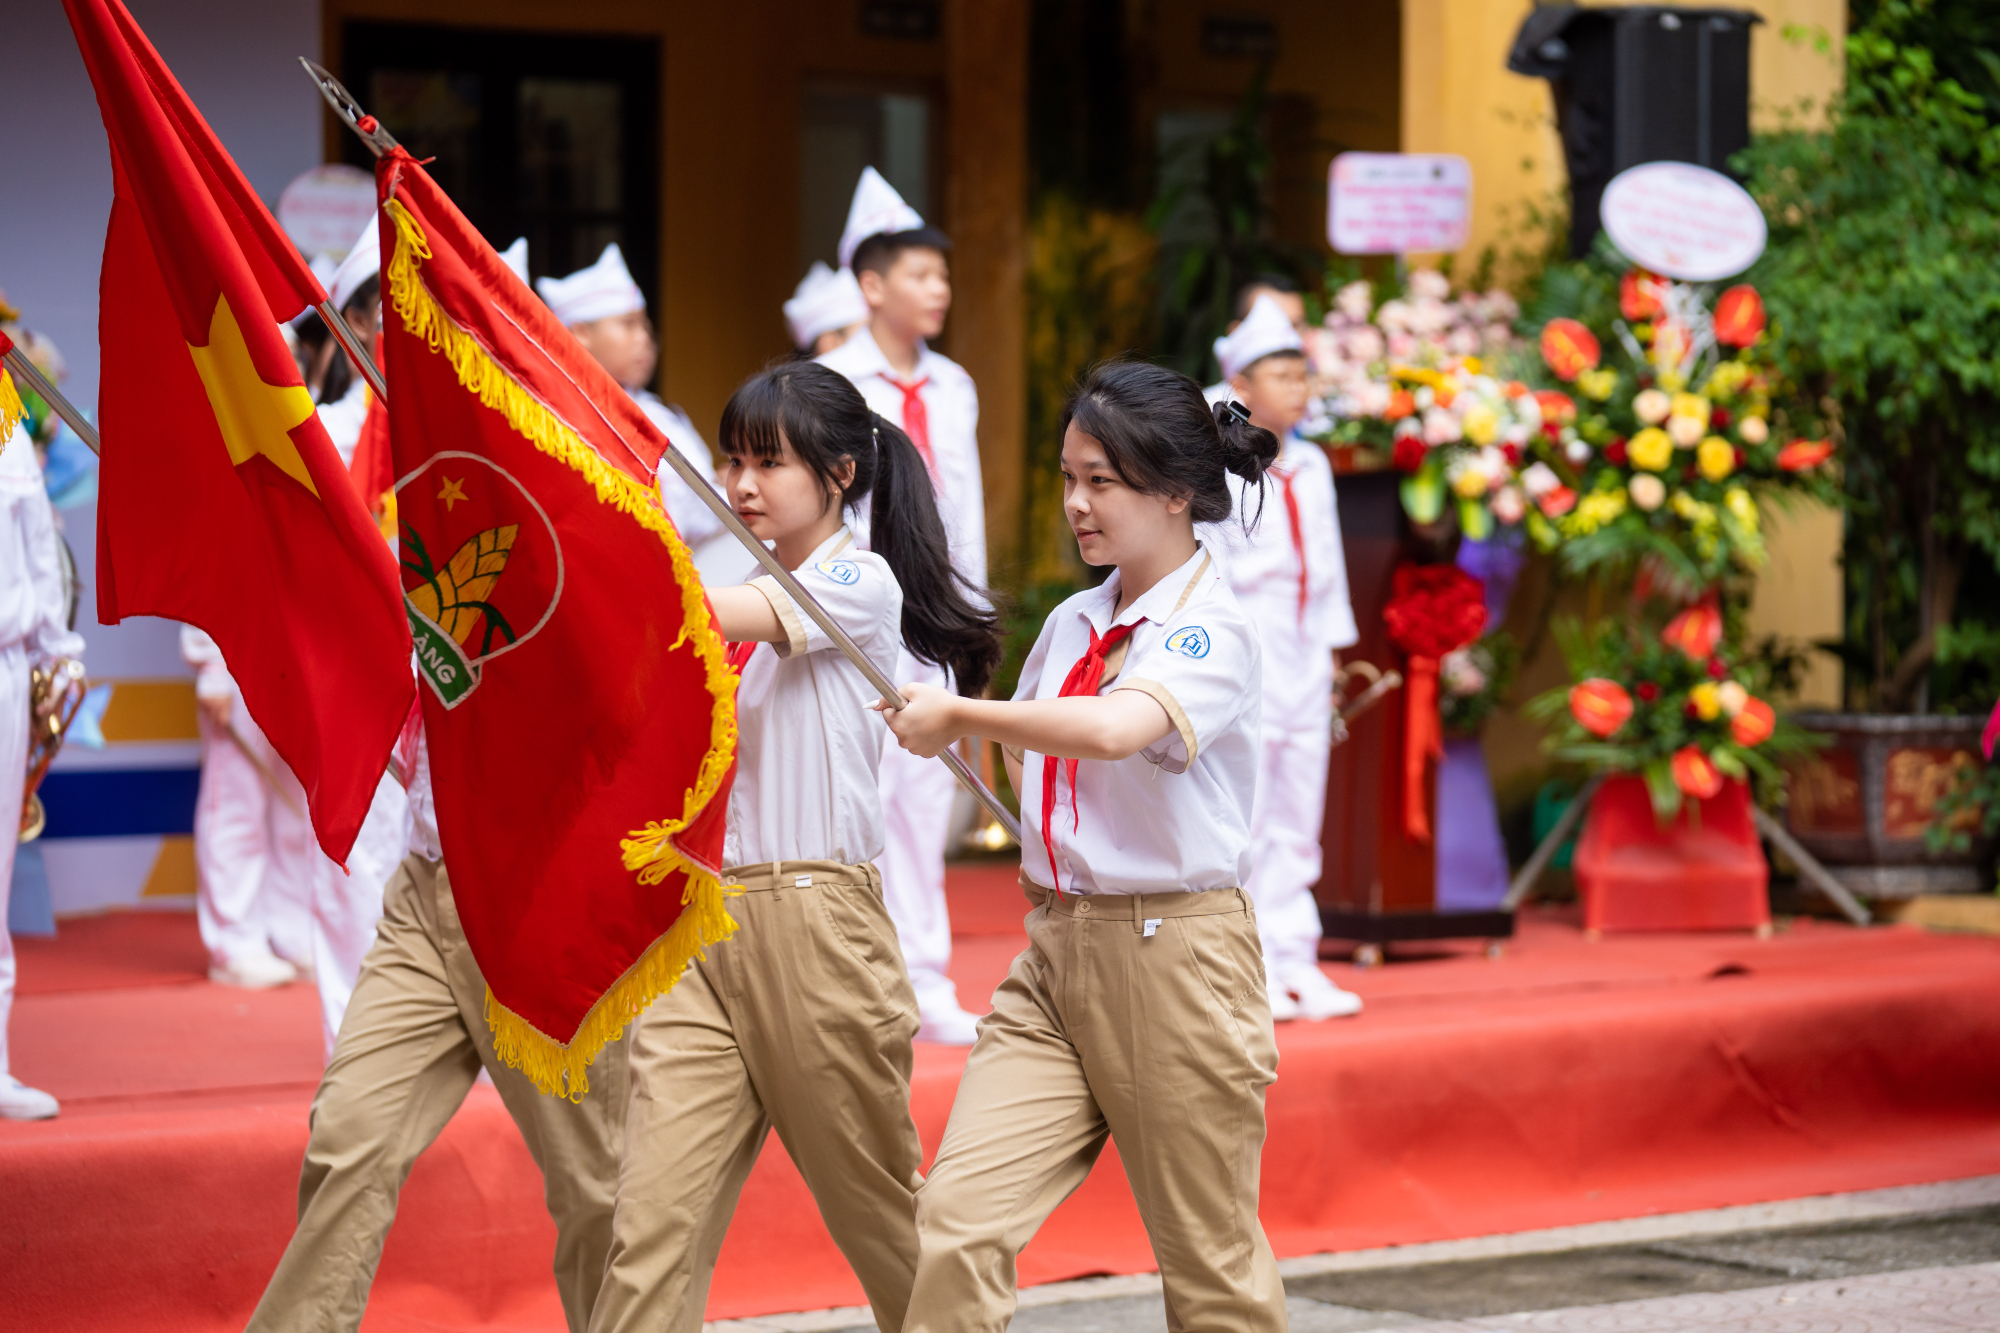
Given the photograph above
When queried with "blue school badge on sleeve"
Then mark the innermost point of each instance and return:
(843, 571)
(1189, 642)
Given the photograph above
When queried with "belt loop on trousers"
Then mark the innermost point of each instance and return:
(1138, 911)
(777, 884)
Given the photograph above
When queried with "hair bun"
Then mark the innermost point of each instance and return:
(1247, 450)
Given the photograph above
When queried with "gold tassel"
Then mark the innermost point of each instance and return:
(12, 409)
(555, 1067)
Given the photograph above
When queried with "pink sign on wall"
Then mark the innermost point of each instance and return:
(1398, 203)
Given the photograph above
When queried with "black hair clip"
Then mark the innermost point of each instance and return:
(1237, 410)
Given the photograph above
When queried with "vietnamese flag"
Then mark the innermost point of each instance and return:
(222, 502)
(578, 705)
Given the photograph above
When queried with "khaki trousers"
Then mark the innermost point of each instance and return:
(803, 1023)
(413, 1040)
(1140, 1018)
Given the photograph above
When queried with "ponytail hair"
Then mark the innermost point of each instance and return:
(1164, 439)
(827, 423)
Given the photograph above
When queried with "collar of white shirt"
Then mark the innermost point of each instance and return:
(861, 356)
(1157, 604)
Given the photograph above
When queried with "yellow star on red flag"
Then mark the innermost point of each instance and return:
(254, 417)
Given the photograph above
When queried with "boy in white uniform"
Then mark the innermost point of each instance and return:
(901, 267)
(826, 309)
(346, 906)
(1290, 303)
(606, 311)
(255, 857)
(1284, 560)
(33, 632)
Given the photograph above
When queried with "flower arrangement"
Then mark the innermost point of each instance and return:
(1410, 381)
(1669, 443)
(1433, 612)
(1676, 707)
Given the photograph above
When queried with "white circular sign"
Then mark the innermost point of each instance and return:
(1683, 221)
(324, 210)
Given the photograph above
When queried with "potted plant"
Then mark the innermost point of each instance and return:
(1883, 280)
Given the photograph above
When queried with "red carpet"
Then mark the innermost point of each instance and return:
(1566, 1082)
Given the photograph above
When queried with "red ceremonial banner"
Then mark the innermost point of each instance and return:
(580, 713)
(222, 501)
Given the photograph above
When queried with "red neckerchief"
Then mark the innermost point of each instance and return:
(1083, 679)
(1285, 479)
(916, 417)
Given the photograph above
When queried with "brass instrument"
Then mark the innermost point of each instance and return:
(1380, 683)
(992, 836)
(54, 697)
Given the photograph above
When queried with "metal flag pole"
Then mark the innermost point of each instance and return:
(380, 141)
(31, 375)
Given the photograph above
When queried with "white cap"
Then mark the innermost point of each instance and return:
(825, 300)
(364, 261)
(605, 290)
(515, 257)
(1263, 331)
(877, 209)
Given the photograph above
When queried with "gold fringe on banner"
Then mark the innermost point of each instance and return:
(560, 1068)
(12, 409)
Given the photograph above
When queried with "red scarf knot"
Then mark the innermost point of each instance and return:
(1082, 680)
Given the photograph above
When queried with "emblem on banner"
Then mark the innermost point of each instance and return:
(498, 586)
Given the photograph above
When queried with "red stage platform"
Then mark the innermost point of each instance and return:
(1566, 1082)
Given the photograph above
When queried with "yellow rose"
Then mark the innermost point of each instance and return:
(1691, 405)
(1480, 423)
(1597, 385)
(1707, 701)
(1650, 449)
(1471, 483)
(1716, 458)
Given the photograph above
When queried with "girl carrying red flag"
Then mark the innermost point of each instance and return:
(802, 1022)
(1139, 1010)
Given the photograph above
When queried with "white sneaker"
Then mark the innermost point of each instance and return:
(18, 1101)
(1283, 1007)
(949, 1027)
(1318, 998)
(254, 971)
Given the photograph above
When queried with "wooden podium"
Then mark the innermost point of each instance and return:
(1377, 885)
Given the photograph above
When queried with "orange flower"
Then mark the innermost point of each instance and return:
(1694, 631)
(1600, 705)
(1804, 455)
(1556, 501)
(1639, 294)
(1401, 404)
(1753, 724)
(1569, 348)
(1693, 773)
(1557, 407)
(1739, 316)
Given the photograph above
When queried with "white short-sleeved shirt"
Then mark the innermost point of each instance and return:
(809, 746)
(344, 418)
(1175, 816)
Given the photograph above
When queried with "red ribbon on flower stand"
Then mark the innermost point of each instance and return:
(1433, 610)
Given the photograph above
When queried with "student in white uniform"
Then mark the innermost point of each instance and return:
(1138, 1011)
(1284, 561)
(826, 309)
(34, 631)
(901, 266)
(346, 905)
(414, 1040)
(606, 310)
(1281, 290)
(803, 1021)
(256, 860)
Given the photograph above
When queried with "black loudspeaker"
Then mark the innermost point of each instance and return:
(1640, 84)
